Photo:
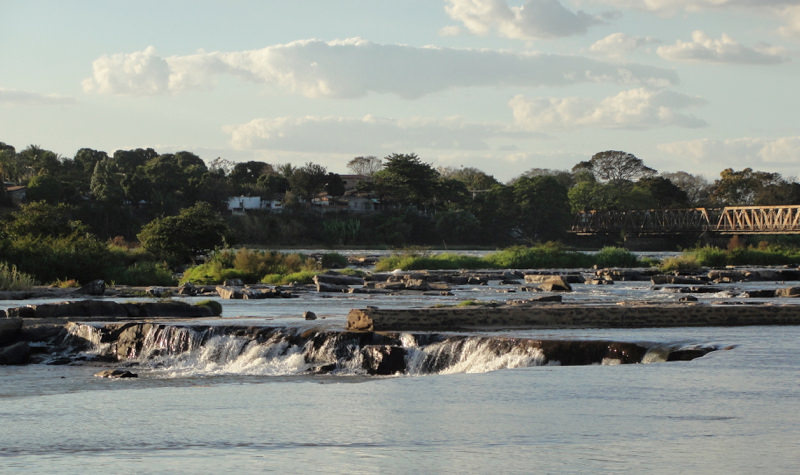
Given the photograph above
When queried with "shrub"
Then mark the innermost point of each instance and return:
(250, 266)
(333, 260)
(548, 255)
(682, 263)
(436, 261)
(616, 257)
(50, 258)
(144, 273)
(710, 256)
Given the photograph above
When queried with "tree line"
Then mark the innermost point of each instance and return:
(120, 194)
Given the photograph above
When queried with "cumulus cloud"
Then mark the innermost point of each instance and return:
(353, 135)
(675, 6)
(141, 72)
(723, 50)
(786, 11)
(533, 19)
(17, 97)
(746, 151)
(632, 109)
(791, 16)
(618, 45)
(355, 67)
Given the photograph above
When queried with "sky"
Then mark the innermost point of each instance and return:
(502, 86)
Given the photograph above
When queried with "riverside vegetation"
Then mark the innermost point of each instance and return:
(138, 217)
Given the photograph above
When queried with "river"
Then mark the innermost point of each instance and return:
(731, 411)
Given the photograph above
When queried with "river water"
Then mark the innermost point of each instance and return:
(731, 411)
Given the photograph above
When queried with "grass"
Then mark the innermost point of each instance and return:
(548, 255)
(301, 277)
(709, 256)
(12, 279)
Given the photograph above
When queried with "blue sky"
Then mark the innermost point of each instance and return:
(504, 86)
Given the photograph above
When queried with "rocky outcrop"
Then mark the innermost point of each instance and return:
(250, 293)
(615, 274)
(571, 278)
(677, 279)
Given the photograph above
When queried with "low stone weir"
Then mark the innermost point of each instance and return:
(570, 316)
(87, 309)
(176, 350)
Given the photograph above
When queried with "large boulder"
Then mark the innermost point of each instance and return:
(555, 283)
(338, 279)
(727, 275)
(383, 359)
(788, 292)
(229, 293)
(16, 354)
(95, 287)
(187, 289)
(9, 330)
(325, 286)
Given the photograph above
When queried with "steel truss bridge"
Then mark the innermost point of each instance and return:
(784, 219)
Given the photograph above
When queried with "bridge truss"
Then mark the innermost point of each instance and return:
(784, 219)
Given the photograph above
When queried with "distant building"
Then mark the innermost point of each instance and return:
(241, 204)
(361, 204)
(351, 182)
(16, 193)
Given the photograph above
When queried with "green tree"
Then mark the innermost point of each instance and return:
(272, 184)
(39, 218)
(591, 195)
(180, 239)
(308, 181)
(660, 192)
(334, 185)
(696, 187)
(543, 210)
(8, 162)
(405, 179)
(617, 166)
(746, 187)
(367, 166)
(475, 180)
(248, 172)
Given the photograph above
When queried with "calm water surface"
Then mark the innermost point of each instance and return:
(734, 411)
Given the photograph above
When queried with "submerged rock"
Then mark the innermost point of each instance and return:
(115, 374)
